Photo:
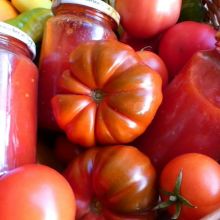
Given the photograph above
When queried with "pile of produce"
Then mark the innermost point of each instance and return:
(135, 119)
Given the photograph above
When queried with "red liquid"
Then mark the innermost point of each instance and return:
(18, 105)
(62, 34)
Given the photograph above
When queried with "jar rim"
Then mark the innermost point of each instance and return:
(96, 4)
(18, 34)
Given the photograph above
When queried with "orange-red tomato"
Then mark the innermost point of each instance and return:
(152, 60)
(200, 184)
(115, 182)
(35, 192)
(108, 95)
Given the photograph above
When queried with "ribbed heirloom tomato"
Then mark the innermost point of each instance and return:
(113, 183)
(109, 96)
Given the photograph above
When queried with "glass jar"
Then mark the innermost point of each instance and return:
(75, 22)
(18, 98)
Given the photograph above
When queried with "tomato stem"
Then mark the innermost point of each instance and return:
(175, 198)
(97, 95)
(96, 206)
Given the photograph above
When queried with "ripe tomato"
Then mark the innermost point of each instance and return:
(116, 182)
(35, 192)
(180, 42)
(156, 63)
(200, 185)
(108, 96)
(144, 19)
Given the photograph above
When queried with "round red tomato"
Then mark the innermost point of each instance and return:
(152, 60)
(35, 192)
(180, 42)
(200, 185)
(116, 182)
(144, 19)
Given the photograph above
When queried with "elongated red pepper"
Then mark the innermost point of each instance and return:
(189, 117)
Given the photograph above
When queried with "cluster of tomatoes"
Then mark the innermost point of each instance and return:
(129, 179)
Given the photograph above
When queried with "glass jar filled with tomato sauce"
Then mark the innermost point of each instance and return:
(74, 22)
(18, 98)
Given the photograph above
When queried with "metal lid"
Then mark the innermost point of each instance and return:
(96, 4)
(16, 33)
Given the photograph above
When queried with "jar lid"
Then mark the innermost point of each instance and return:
(96, 4)
(16, 33)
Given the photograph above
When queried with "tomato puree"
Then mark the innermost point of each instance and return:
(189, 117)
(18, 87)
(72, 25)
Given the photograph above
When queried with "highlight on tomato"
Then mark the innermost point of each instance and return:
(113, 182)
(36, 192)
(190, 186)
(108, 96)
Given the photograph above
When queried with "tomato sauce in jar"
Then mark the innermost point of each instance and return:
(75, 22)
(18, 98)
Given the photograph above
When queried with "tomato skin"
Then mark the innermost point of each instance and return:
(200, 184)
(108, 96)
(35, 192)
(115, 182)
(181, 41)
(144, 19)
(152, 60)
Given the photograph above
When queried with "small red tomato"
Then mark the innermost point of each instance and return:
(156, 63)
(180, 42)
(190, 184)
(144, 19)
(35, 192)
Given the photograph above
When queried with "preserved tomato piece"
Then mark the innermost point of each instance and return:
(18, 103)
(74, 22)
(188, 119)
